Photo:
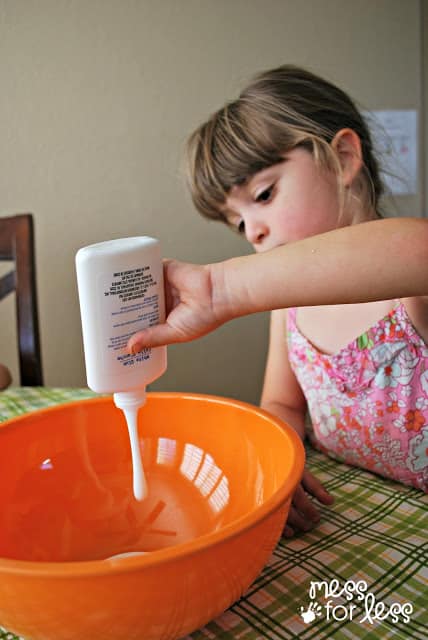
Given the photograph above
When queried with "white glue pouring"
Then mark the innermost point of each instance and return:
(120, 285)
(130, 404)
(139, 481)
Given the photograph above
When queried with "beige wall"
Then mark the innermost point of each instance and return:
(97, 98)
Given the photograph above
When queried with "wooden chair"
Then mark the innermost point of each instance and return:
(17, 245)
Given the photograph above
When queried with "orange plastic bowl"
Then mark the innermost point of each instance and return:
(220, 476)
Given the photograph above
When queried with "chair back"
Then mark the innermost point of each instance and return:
(17, 245)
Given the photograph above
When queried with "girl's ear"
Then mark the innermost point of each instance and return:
(347, 145)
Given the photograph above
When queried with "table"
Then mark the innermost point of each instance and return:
(372, 545)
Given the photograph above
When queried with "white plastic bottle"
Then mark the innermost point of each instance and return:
(120, 285)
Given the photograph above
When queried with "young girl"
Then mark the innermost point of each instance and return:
(290, 165)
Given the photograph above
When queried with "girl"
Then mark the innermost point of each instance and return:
(290, 165)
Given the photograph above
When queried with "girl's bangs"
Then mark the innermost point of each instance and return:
(224, 155)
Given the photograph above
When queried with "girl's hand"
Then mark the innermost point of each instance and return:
(189, 307)
(303, 515)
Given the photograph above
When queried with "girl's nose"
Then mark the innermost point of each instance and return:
(256, 231)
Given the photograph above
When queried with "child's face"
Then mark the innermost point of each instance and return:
(285, 202)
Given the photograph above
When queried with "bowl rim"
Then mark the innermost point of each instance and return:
(185, 549)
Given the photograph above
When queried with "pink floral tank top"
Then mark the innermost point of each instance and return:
(368, 403)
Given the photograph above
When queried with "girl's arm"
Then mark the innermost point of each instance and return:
(283, 397)
(281, 393)
(377, 260)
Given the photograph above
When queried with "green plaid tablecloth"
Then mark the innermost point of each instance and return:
(375, 532)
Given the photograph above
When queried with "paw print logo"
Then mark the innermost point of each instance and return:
(311, 613)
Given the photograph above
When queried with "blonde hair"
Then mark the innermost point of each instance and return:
(280, 110)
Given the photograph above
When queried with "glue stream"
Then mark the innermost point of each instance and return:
(120, 284)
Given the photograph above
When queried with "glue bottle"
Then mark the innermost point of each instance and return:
(120, 284)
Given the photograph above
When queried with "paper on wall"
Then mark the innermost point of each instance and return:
(394, 135)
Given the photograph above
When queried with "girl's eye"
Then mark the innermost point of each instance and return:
(265, 195)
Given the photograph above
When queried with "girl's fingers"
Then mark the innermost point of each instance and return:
(156, 336)
(297, 522)
(303, 513)
(314, 487)
(304, 506)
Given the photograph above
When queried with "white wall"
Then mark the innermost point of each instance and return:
(97, 98)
